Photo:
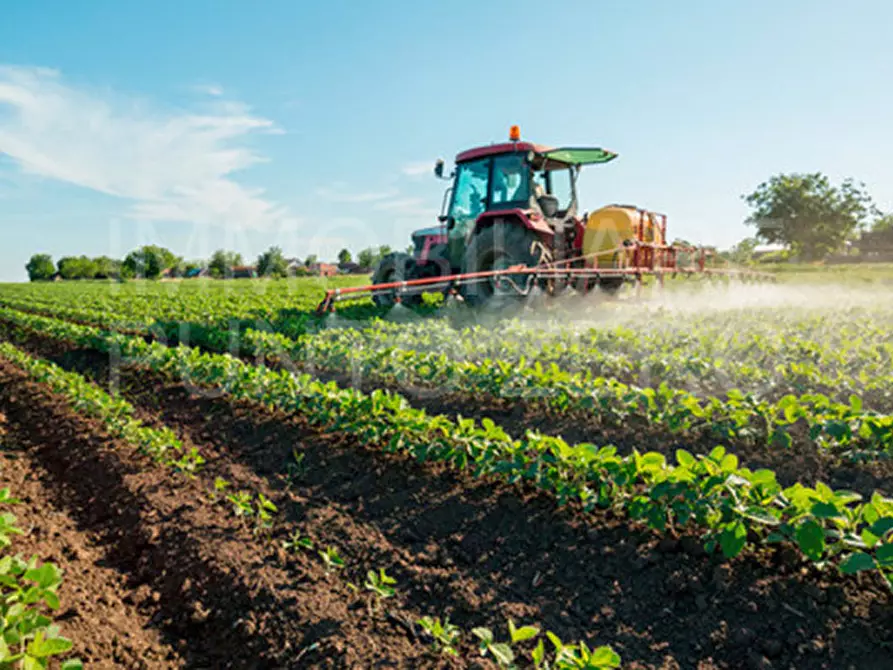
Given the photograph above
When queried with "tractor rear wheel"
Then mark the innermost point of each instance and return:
(611, 285)
(395, 267)
(499, 247)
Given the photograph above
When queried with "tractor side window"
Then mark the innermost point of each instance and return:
(539, 184)
(561, 187)
(511, 180)
(470, 190)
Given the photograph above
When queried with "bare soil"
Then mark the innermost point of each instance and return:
(476, 550)
(99, 613)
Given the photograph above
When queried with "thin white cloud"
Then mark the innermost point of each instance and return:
(418, 168)
(338, 194)
(209, 89)
(171, 165)
(414, 207)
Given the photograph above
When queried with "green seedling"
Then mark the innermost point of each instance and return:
(296, 542)
(446, 635)
(500, 651)
(295, 470)
(380, 584)
(220, 485)
(331, 559)
(190, 463)
(264, 510)
(241, 502)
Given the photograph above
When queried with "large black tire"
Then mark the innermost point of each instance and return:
(611, 285)
(499, 247)
(396, 266)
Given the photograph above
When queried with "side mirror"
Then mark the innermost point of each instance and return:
(438, 168)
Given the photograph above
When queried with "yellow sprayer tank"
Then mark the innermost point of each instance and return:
(607, 228)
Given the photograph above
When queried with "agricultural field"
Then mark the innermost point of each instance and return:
(217, 476)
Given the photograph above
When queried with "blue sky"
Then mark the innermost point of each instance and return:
(314, 126)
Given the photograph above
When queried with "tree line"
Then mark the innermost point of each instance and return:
(152, 261)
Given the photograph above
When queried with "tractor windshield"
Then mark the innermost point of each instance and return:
(511, 181)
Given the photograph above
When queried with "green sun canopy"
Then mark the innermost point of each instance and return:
(581, 156)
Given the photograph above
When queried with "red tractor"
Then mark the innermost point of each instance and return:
(510, 223)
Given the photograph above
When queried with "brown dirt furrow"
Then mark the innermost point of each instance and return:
(482, 551)
(214, 592)
(108, 631)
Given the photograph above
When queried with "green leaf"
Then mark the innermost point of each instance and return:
(605, 657)
(857, 562)
(51, 600)
(733, 539)
(684, 458)
(823, 510)
(884, 554)
(523, 633)
(502, 652)
(538, 654)
(729, 463)
(72, 664)
(882, 526)
(41, 648)
(810, 538)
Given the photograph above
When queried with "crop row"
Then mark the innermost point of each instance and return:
(727, 506)
(737, 415)
(769, 351)
(190, 300)
(769, 354)
(27, 629)
(116, 414)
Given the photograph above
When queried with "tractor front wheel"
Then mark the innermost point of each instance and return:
(500, 247)
(394, 267)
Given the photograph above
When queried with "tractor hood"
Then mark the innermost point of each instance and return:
(579, 156)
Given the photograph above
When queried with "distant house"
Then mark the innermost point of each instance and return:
(244, 272)
(349, 268)
(876, 243)
(323, 269)
(194, 273)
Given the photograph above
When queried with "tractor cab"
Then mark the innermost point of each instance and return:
(530, 183)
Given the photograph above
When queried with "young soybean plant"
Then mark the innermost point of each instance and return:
(331, 559)
(446, 635)
(381, 584)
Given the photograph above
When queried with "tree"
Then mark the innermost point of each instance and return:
(366, 258)
(222, 263)
(107, 268)
(76, 267)
(344, 257)
(272, 263)
(148, 262)
(743, 251)
(310, 260)
(40, 267)
(808, 213)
